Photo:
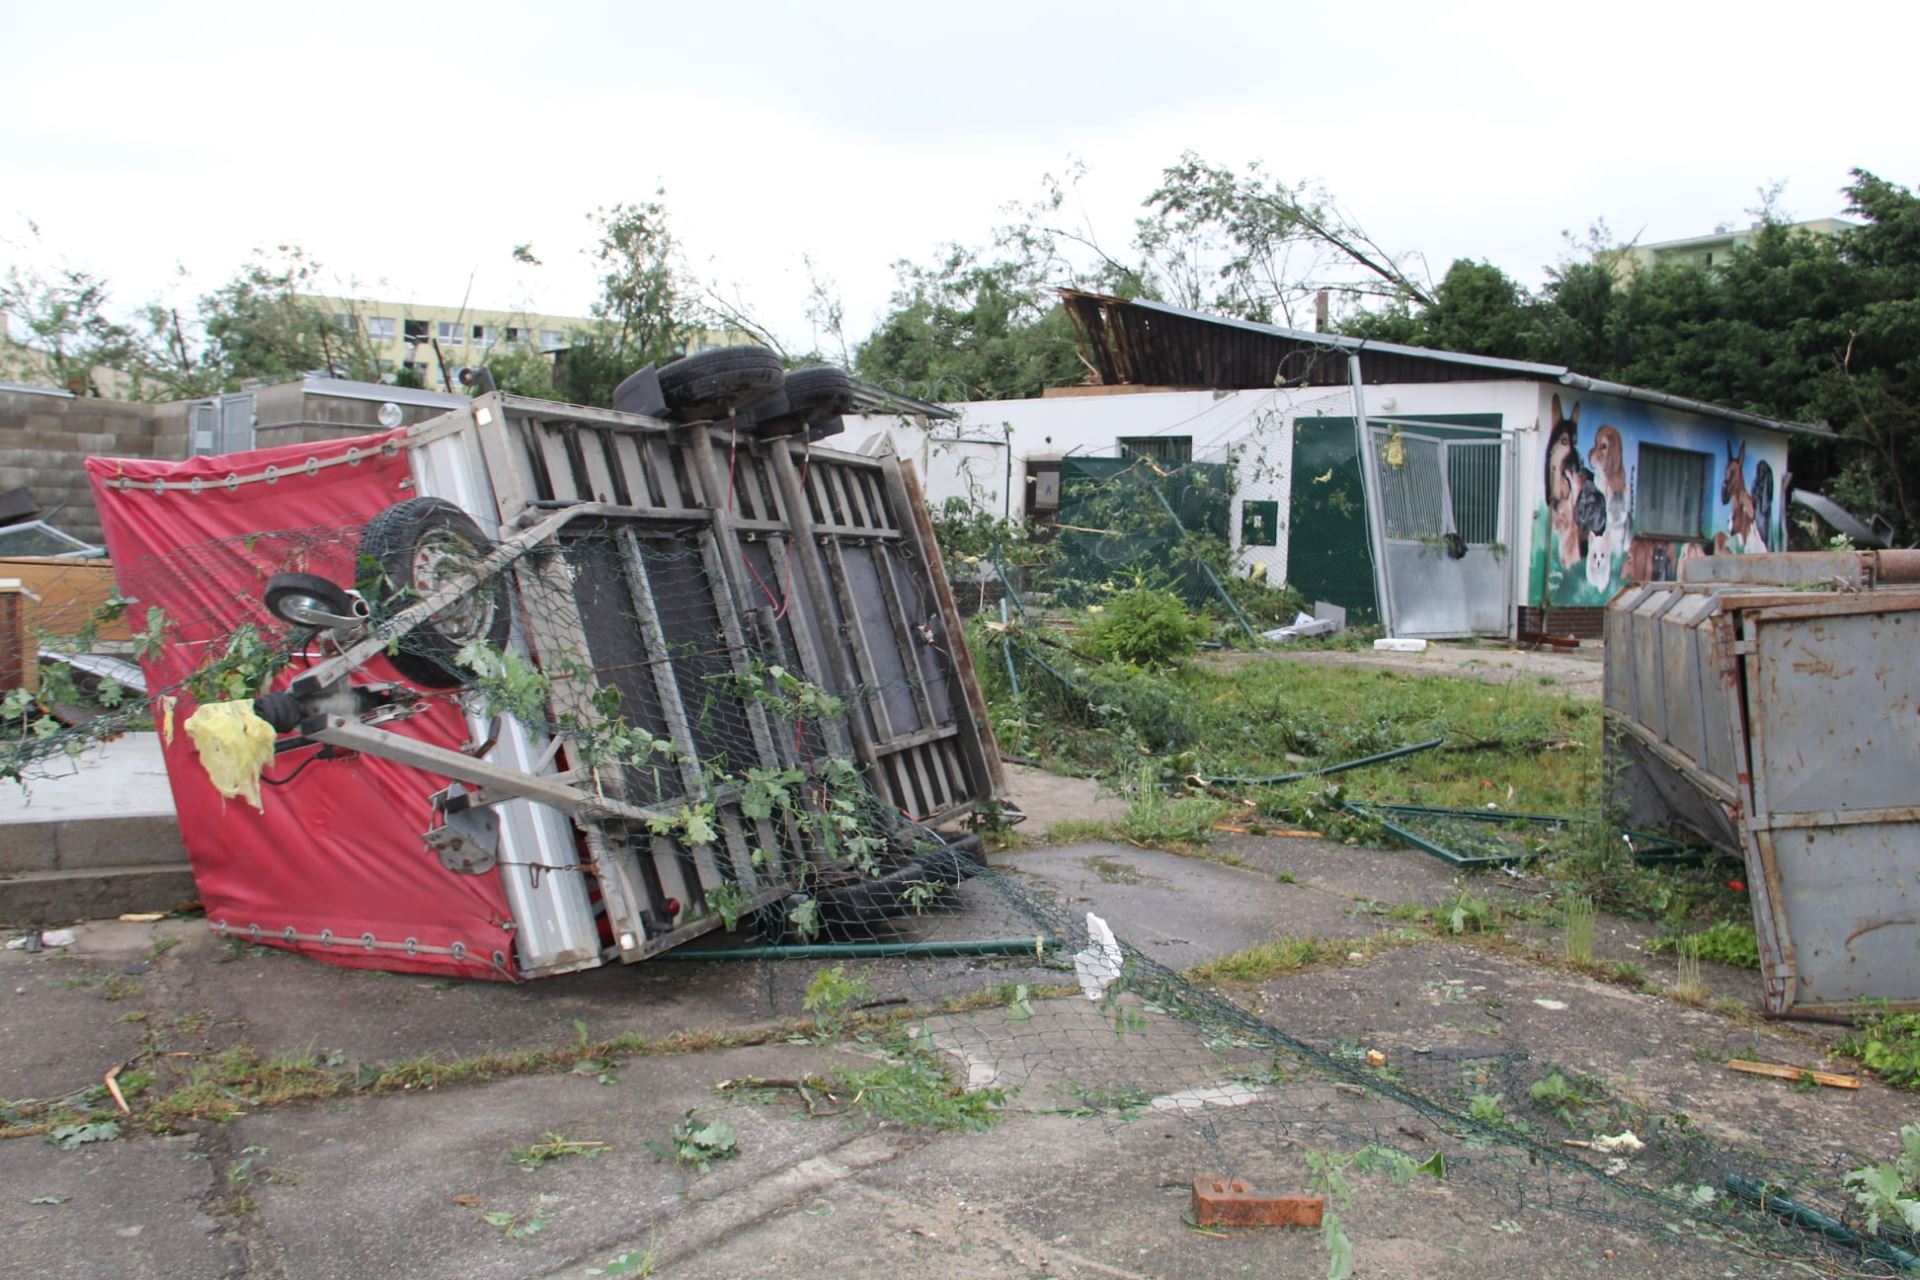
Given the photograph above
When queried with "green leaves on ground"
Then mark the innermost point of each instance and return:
(699, 1143)
(69, 1137)
(1888, 1043)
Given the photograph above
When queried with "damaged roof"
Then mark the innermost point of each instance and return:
(1136, 342)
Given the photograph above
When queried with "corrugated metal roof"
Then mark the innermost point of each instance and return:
(1132, 341)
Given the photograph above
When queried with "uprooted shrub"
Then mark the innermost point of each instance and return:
(1146, 628)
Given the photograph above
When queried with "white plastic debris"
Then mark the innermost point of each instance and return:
(1617, 1143)
(1555, 1005)
(1303, 624)
(1098, 967)
(48, 938)
(1394, 645)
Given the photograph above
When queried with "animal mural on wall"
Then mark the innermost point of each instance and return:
(1586, 497)
(1586, 546)
(1751, 510)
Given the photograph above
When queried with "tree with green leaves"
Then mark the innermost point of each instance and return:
(54, 325)
(646, 310)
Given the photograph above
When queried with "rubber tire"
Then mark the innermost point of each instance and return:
(809, 397)
(387, 548)
(818, 392)
(711, 384)
(331, 595)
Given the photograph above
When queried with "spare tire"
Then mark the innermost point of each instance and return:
(818, 392)
(711, 384)
(807, 398)
(409, 551)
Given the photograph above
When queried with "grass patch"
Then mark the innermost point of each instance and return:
(1245, 720)
(1581, 919)
(1077, 831)
(1265, 961)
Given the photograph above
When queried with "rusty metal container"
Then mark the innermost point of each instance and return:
(1771, 704)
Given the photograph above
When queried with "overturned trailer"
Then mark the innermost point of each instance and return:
(559, 685)
(1771, 704)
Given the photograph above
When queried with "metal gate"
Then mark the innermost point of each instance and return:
(1439, 516)
(223, 425)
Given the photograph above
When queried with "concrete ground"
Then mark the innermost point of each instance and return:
(1576, 672)
(1087, 1174)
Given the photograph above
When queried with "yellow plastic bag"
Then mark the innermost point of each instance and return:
(234, 745)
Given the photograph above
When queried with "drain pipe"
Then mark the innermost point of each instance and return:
(1370, 497)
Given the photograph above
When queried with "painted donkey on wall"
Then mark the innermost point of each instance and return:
(1745, 530)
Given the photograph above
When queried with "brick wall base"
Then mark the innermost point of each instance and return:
(1588, 622)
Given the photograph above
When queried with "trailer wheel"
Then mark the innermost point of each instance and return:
(819, 392)
(298, 597)
(712, 383)
(807, 398)
(411, 550)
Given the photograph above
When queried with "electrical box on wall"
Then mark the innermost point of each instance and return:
(1260, 523)
(1043, 487)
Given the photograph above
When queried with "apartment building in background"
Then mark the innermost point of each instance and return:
(403, 335)
(1710, 251)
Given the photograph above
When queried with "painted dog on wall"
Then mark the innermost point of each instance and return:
(1577, 510)
(1614, 537)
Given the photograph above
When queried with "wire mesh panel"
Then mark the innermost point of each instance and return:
(1413, 486)
(1474, 482)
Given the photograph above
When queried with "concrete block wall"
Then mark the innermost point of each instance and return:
(43, 440)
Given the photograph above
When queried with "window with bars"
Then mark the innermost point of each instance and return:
(1670, 493)
(1166, 450)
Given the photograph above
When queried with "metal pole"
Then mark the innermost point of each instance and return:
(1036, 946)
(1370, 490)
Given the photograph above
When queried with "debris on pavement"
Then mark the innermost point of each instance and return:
(1779, 1071)
(1099, 965)
(1230, 1202)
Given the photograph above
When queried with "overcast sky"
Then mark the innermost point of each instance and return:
(410, 147)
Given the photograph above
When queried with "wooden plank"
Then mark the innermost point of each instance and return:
(903, 635)
(806, 546)
(982, 752)
(593, 452)
(666, 684)
(877, 505)
(857, 643)
(553, 452)
(632, 469)
(1831, 1079)
(800, 612)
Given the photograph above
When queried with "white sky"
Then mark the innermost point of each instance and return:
(409, 147)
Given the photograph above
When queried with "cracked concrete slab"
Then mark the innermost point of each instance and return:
(130, 1210)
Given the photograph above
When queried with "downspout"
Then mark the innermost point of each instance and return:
(1370, 500)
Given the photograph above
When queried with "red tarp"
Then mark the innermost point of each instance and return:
(337, 851)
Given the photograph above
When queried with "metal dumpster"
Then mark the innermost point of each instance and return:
(1771, 704)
